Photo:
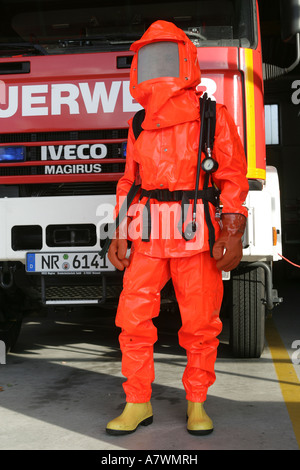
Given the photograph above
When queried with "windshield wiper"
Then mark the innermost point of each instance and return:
(112, 38)
(23, 45)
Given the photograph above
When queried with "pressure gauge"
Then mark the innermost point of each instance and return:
(209, 165)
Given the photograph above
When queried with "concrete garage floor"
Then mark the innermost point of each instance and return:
(63, 383)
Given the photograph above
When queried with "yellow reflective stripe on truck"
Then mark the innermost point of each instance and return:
(253, 171)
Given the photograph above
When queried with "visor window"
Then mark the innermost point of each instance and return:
(160, 59)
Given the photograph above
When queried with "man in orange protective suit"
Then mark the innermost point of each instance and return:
(163, 159)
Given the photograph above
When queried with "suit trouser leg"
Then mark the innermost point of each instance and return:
(139, 303)
(199, 290)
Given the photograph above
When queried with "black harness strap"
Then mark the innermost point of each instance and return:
(137, 129)
(147, 220)
(208, 194)
(137, 122)
(209, 132)
(211, 229)
(210, 114)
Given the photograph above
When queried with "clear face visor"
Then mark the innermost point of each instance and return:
(160, 59)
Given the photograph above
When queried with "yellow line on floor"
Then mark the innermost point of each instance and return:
(287, 377)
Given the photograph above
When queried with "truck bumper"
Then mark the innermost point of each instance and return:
(46, 223)
(57, 225)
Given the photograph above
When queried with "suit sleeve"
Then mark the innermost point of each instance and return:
(130, 173)
(231, 175)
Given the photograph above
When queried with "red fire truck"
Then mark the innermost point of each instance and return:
(64, 108)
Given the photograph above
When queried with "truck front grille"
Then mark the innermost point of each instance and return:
(65, 156)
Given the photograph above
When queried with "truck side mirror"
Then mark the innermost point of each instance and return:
(290, 18)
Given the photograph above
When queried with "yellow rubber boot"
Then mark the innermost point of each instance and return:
(134, 414)
(198, 422)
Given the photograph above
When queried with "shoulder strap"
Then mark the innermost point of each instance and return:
(138, 119)
(210, 114)
(209, 137)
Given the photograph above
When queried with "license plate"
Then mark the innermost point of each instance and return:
(67, 262)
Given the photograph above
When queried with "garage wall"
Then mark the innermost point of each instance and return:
(286, 157)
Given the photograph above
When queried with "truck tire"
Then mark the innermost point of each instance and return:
(10, 322)
(247, 319)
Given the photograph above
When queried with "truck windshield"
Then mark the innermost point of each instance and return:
(64, 27)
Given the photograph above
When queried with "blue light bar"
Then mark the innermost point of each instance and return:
(12, 154)
(124, 149)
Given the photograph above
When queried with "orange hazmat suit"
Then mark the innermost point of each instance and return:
(164, 157)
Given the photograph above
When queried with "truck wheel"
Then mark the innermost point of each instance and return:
(247, 322)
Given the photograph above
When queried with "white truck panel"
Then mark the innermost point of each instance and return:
(264, 216)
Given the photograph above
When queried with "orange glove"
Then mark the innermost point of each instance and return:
(118, 247)
(230, 241)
